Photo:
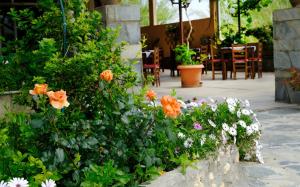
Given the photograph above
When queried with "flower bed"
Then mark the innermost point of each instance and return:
(167, 134)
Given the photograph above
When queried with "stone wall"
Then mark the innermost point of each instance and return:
(127, 19)
(7, 105)
(221, 171)
(286, 51)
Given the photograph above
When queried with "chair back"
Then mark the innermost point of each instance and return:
(257, 51)
(204, 50)
(239, 53)
(156, 56)
(213, 51)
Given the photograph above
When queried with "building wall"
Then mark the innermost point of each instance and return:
(201, 28)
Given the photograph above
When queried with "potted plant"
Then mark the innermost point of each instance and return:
(190, 70)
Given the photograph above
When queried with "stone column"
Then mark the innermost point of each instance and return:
(127, 18)
(286, 51)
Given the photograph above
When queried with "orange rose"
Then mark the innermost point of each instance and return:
(151, 95)
(106, 75)
(170, 105)
(58, 99)
(39, 89)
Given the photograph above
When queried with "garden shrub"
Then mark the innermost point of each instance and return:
(87, 127)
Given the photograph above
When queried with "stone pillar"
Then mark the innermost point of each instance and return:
(286, 51)
(127, 18)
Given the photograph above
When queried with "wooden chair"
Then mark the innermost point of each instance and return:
(215, 60)
(173, 63)
(240, 60)
(204, 51)
(256, 58)
(153, 67)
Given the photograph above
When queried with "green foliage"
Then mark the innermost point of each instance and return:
(184, 55)
(106, 175)
(263, 34)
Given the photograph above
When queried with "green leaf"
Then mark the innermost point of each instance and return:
(60, 155)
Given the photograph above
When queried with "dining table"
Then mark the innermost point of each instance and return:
(226, 53)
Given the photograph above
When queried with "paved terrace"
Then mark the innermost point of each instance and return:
(281, 124)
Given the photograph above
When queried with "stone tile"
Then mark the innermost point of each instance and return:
(281, 93)
(283, 45)
(287, 30)
(295, 58)
(281, 60)
(282, 74)
(294, 167)
(286, 14)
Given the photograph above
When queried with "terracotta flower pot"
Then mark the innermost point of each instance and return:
(295, 3)
(190, 75)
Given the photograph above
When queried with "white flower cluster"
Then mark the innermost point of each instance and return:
(188, 142)
(21, 182)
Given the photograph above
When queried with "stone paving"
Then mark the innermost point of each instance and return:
(281, 125)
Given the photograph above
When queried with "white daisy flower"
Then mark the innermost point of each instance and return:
(212, 136)
(188, 143)
(255, 127)
(242, 123)
(192, 105)
(3, 184)
(238, 113)
(224, 137)
(49, 183)
(234, 125)
(211, 100)
(232, 131)
(182, 104)
(247, 103)
(249, 130)
(18, 182)
(247, 156)
(181, 135)
(225, 126)
(213, 107)
(246, 112)
(231, 108)
(211, 123)
(202, 139)
(231, 101)
(259, 157)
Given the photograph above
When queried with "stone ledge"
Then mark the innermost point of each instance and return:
(221, 171)
(286, 14)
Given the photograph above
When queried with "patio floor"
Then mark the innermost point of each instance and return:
(280, 121)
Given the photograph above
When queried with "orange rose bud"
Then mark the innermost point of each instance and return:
(58, 99)
(151, 95)
(171, 107)
(39, 89)
(106, 75)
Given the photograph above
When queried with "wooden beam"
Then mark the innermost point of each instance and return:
(91, 5)
(17, 4)
(152, 12)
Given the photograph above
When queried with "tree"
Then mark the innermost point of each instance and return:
(243, 7)
(164, 12)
